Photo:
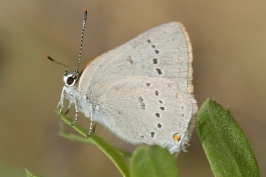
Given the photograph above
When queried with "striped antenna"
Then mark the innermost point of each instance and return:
(51, 59)
(82, 36)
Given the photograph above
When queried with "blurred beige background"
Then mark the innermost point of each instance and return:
(228, 39)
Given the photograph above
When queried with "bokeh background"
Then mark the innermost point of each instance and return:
(228, 39)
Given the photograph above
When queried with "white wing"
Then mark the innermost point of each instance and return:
(163, 51)
(141, 90)
(145, 110)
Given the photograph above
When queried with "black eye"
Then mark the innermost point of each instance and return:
(70, 80)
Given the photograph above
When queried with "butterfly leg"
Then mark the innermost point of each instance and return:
(92, 124)
(61, 102)
(68, 108)
(76, 116)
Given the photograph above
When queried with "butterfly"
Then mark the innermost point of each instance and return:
(141, 91)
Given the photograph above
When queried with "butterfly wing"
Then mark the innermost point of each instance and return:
(145, 110)
(142, 90)
(163, 51)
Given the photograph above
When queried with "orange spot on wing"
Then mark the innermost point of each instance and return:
(176, 137)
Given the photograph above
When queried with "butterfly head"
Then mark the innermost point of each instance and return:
(70, 79)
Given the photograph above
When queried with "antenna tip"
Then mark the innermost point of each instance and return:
(85, 15)
(85, 12)
(48, 57)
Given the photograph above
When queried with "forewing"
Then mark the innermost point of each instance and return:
(162, 52)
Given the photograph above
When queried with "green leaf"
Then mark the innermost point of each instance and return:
(30, 174)
(112, 153)
(153, 161)
(226, 146)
